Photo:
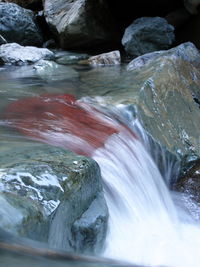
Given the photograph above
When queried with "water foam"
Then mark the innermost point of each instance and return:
(144, 224)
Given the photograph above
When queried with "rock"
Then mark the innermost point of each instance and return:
(67, 57)
(146, 35)
(45, 192)
(79, 23)
(19, 25)
(51, 71)
(111, 58)
(189, 183)
(15, 54)
(164, 91)
(186, 51)
(25, 3)
(191, 6)
(88, 231)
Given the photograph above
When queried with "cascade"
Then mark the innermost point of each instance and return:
(144, 224)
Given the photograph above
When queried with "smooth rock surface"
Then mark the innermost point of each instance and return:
(110, 58)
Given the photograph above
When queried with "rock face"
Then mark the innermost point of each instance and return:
(191, 6)
(15, 54)
(79, 23)
(146, 35)
(166, 97)
(18, 25)
(47, 192)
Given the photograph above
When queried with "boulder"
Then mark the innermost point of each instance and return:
(15, 54)
(79, 23)
(45, 192)
(18, 25)
(147, 34)
(164, 88)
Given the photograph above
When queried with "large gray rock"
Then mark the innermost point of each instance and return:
(164, 87)
(15, 54)
(46, 191)
(80, 23)
(146, 35)
(18, 25)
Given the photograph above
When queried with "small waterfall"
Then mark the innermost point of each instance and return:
(144, 224)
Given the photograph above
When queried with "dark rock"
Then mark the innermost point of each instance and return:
(15, 54)
(80, 24)
(19, 25)
(146, 35)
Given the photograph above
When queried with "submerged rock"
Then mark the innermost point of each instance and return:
(46, 191)
(146, 35)
(51, 71)
(110, 58)
(15, 54)
(18, 25)
(80, 23)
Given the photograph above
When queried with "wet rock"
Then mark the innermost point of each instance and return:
(164, 92)
(19, 25)
(51, 71)
(166, 99)
(15, 54)
(189, 183)
(66, 57)
(79, 23)
(186, 51)
(45, 190)
(146, 35)
(111, 58)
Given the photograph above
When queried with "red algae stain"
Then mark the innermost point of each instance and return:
(61, 120)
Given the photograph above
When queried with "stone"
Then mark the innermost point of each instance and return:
(79, 23)
(18, 25)
(147, 34)
(45, 191)
(68, 57)
(110, 58)
(51, 71)
(15, 54)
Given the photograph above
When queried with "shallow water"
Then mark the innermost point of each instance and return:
(144, 224)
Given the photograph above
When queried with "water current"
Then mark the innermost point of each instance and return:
(147, 225)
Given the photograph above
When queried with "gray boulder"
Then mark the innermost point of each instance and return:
(45, 192)
(146, 35)
(18, 25)
(80, 23)
(15, 54)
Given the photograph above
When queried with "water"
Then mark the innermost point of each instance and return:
(146, 225)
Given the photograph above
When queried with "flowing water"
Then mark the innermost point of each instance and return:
(146, 226)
